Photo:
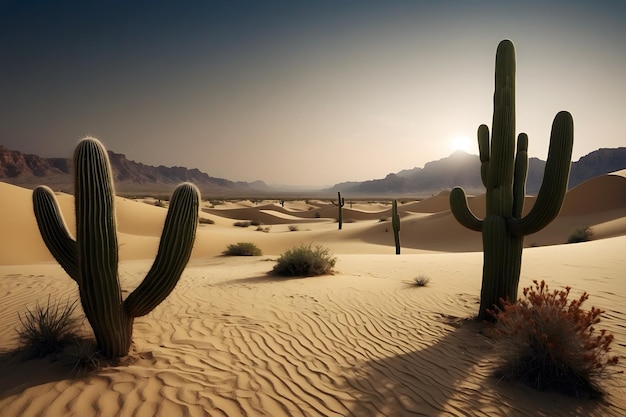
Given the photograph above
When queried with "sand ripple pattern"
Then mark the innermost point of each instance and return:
(231, 341)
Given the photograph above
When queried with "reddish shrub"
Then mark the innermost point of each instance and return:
(551, 343)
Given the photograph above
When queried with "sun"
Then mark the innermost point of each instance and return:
(462, 143)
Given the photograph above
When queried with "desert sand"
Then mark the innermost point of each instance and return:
(233, 341)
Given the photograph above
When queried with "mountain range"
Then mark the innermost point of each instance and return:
(132, 177)
(463, 169)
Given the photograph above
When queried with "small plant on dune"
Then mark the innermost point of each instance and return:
(551, 343)
(47, 329)
(293, 228)
(243, 249)
(256, 223)
(305, 261)
(421, 281)
(242, 224)
(580, 234)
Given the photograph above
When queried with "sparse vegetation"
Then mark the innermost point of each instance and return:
(293, 228)
(421, 281)
(305, 261)
(203, 220)
(580, 234)
(243, 249)
(256, 223)
(551, 343)
(242, 224)
(47, 329)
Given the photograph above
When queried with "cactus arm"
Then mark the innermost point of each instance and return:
(174, 251)
(555, 179)
(519, 176)
(54, 231)
(483, 150)
(461, 211)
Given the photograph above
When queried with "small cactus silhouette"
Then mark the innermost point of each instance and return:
(91, 259)
(395, 223)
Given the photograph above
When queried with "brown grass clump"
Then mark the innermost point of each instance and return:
(551, 343)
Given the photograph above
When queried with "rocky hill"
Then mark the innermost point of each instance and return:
(463, 169)
(130, 177)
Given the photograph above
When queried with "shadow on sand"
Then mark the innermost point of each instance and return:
(454, 377)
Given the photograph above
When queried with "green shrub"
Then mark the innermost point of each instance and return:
(580, 234)
(47, 329)
(305, 261)
(243, 249)
(551, 343)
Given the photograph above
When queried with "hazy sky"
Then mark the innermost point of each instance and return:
(302, 92)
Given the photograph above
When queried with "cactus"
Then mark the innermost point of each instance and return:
(395, 223)
(91, 259)
(503, 172)
(340, 203)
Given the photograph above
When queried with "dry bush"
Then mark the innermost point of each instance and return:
(243, 249)
(242, 224)
(551, 343)
(48, 329)
(305, 261)
(421, 281)
(580, 234)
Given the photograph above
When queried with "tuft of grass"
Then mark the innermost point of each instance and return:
(305, 261)
(47, 329)
(580, 234)
(421, 281)
(242, 249)
(550, 342)
(242, 224)
(293, 228)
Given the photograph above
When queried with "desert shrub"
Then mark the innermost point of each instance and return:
(242, 249)
(551, 343)
(242, 224)
(293, 228)
(47, 329)
(580, 234)
(421, 281)
(263, 229)
(305, 261)
(256, 223)
(203, 220)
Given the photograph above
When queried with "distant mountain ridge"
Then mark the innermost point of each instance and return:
(458, 169)
(463, 169)
(31, 170)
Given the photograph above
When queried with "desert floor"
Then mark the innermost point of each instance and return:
(232, 340)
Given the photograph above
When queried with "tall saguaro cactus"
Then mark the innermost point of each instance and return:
(503, 170)
(395, 224)
(91, 259)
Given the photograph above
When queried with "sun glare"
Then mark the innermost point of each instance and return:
(462, 143)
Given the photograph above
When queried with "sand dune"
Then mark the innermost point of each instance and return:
(233, 341)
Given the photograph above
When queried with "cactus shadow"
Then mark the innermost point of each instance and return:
(427, 381)
(18, 374)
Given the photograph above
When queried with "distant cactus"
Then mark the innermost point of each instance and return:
(340, 203)
(92, 258)
(503, 172)
(395, 222)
